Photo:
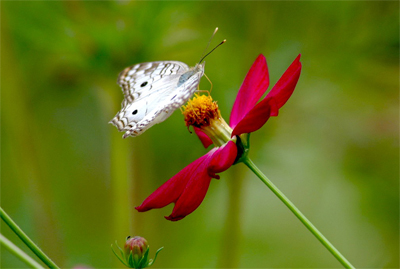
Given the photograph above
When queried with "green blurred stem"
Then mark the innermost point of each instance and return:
(231, 231)
(27, 240)
(298, 214)
(19, 253)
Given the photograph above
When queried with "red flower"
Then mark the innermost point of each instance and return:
(188, 188)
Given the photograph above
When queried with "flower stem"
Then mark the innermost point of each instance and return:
(298, 214)
(19, 253)
(27, 240)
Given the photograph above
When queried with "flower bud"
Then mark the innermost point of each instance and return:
(137, 246)
(135, 253)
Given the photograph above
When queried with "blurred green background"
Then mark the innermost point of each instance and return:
(71, 182)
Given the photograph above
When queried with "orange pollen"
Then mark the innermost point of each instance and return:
(200, 110)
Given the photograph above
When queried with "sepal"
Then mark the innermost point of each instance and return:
(243, 147)
(155, 256)
(120, 257)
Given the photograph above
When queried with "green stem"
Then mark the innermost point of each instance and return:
(27, 240)
(298, 214)
(19, 253)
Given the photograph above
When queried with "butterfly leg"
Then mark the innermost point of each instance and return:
(207, 91)
(210, 83)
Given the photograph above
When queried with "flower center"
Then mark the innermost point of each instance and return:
(203, 112)
(200, 111)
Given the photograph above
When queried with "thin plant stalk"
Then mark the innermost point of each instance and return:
(298, 214)
(19, 253)
(18, 231)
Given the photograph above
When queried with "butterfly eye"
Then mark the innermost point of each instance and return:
(143, 84)
(134, 112)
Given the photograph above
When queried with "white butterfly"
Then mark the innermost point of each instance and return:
(153, 90)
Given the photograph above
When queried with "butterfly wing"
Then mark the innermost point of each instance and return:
(152, 91)
(138, 79)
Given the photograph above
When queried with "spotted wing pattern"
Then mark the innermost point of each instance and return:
(152, 91)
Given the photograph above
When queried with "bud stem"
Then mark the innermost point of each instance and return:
(249, 163)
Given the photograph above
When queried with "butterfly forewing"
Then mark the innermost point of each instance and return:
(140, 78)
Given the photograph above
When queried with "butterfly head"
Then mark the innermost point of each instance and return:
(199, 68)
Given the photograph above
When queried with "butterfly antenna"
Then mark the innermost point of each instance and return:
(209, 41)
(202, 59)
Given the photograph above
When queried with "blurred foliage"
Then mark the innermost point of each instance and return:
(71, 181)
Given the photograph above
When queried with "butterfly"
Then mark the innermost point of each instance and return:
(153, 91)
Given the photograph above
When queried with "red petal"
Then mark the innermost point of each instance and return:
(170, 191)
(195, 190)
(284, 88)
(216, 161)
(189, 187)
(193, 194)
(205, 140)
(254, 86)
(255, 119)
(222, 159)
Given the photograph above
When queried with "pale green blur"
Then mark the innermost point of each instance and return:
(71, 182)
